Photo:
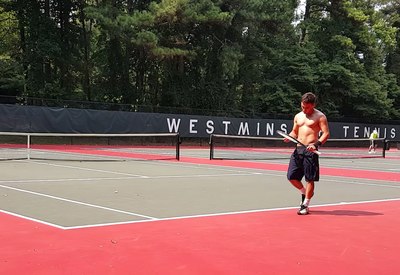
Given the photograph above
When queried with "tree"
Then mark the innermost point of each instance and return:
(352, 39)
(11, 71)
(231, 57)
(390, 11)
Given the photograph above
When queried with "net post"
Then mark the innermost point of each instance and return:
(178, 143)
(211, 142)
(28, 146)
(384, 148)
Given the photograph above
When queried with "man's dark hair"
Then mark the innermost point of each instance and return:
(309, 98)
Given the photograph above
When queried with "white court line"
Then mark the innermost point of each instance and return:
(206, 166)
(189, 165)
(365, 183)
(77, 202)
(128, 178)
(329, 164)
(32, 219)
(362, 168)
(144, 178)
(211, 167)
(326, 178)
(230, 213)
(344, 180)
(66, 179)
(88, 169)
(202, 176)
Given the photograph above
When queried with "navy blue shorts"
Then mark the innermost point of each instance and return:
(305, 164)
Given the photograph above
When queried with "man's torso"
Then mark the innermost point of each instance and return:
(308, 126)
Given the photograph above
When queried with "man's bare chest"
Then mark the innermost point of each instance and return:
(307, 121)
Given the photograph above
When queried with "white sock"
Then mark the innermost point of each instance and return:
(306, 202)
(303, 190)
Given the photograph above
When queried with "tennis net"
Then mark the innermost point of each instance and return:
(393, 144)
(89, 147)
(264, 148)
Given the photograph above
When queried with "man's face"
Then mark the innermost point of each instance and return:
(307, 108)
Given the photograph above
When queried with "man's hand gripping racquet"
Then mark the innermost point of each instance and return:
(292, 139)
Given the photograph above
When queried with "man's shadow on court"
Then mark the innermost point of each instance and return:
(345, 213)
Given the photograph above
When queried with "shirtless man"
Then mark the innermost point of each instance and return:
(303, 162)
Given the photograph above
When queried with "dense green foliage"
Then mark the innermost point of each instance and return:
(241, 56)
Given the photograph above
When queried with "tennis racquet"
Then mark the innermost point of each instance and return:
(292, 139)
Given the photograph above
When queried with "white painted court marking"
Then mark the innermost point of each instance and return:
(87, 169)
(365, 183)
(130, 178)
(77, 202)
(326, 178)
(155, 163)
(230, 213)
(202, 176)
(32, 219)
(66, 179)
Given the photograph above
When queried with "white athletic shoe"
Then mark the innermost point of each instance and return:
(303, 210)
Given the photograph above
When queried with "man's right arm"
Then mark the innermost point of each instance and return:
(295, 131)
(323, 124)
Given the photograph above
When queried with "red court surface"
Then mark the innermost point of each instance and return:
(360, 238)
(342, 239)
